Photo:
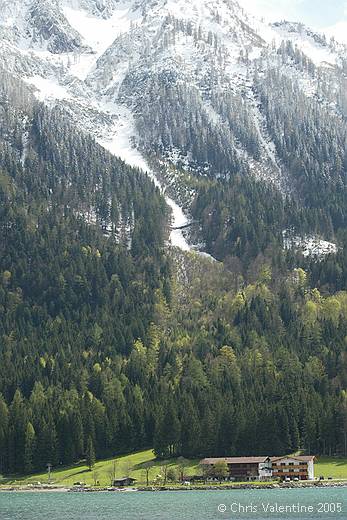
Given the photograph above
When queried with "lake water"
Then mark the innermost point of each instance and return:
(314, 504)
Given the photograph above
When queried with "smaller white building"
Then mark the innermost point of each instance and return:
(265, 469)
(294, 467)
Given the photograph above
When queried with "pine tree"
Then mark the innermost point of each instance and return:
(4, 423)
(17, 427)
(29, 450)
(90, 453)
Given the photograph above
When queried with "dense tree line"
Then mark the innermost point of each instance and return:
(261, 369)
(240, 218)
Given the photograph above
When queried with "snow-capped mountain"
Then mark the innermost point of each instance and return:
(185, 86)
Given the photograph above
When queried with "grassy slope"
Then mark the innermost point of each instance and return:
(331, 467)
(134, 462)
(326, 466)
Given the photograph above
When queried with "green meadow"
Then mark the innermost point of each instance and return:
(133, 465)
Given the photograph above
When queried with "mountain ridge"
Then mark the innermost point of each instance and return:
(115, 82)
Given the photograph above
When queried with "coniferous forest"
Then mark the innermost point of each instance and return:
(110, 341)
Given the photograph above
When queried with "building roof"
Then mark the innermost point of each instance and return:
(303, 458)
(124, 479)
(235, 460)
(255, 460)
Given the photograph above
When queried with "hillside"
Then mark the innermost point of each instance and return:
(214, 369)
(173, 267)
(82, 270)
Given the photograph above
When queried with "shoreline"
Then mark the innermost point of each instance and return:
(152, 489)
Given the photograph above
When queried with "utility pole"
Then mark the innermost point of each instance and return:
(49, 469)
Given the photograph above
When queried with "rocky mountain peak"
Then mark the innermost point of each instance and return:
(197, 87)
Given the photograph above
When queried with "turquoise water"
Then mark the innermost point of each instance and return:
(178, 505)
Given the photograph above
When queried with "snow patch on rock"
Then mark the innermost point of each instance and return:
(309, 246)
(48, 89)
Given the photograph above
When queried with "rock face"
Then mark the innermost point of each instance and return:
(201, 87)
(40, 25)
(49, 27)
